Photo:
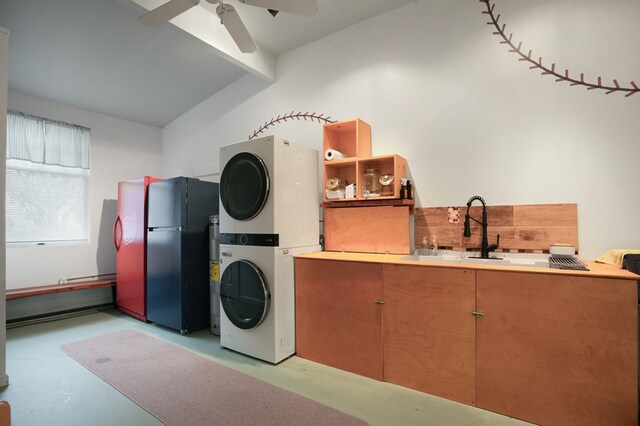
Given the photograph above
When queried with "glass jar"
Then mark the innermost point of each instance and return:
(371, 186)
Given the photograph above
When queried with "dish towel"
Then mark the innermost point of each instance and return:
(616, 256)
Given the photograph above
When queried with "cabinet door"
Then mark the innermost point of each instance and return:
(338, 321)
(558, 349)
(429, 330)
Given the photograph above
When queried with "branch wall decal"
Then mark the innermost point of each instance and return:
(560, 77)
(320, 118)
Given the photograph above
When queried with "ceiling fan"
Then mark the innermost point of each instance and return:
(228, 15)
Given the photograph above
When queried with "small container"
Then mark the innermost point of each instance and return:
(350, 191)
(387, 188)
(335, 184)
(371, 186)
(562, 250)
(335, 188)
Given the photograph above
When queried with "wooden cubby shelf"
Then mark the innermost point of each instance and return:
(352, 138)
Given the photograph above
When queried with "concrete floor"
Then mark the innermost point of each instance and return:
(47, 387)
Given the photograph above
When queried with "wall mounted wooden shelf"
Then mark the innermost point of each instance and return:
(353, 139)
(372, 224)
(370, 203)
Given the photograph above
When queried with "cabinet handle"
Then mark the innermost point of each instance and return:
(478, 313)
(379, 302)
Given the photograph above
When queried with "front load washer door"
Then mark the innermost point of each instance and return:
(244, 294)
(244, 186)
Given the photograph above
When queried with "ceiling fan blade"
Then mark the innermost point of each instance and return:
(231, 20)
(297, 7)
(166, 12)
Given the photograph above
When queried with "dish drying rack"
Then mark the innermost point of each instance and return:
(572, 263)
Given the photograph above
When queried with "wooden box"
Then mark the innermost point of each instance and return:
(381, 229)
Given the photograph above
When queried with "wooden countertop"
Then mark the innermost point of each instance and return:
(601, 270)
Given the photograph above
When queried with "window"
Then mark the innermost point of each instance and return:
(47, 199)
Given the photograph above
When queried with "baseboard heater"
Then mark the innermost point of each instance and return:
(59, 315)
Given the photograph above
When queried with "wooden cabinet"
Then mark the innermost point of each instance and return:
(429, 330)
(547, 348)
(352, 139)
(339, 315)
(557, 349)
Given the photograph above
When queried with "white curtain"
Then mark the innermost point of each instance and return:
(44, 141)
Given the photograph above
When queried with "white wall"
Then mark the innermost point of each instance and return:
(120, 150)
(439, 89)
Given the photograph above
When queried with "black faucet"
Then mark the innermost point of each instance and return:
(485, 248)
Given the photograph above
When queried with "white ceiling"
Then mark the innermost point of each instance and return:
(95, 55)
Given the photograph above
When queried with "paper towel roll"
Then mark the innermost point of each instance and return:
(332, 154)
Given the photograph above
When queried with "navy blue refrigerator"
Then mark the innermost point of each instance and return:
(178, 252)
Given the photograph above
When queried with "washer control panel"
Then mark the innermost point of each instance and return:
(263, 240)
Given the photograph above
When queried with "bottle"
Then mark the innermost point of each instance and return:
(408, 191)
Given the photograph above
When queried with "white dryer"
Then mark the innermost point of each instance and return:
(270, 212)
(257, 294)
(269, 193)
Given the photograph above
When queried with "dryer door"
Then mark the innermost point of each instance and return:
(244, 294)
(244, 186)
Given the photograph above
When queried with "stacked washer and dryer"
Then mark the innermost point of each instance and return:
(269, 213)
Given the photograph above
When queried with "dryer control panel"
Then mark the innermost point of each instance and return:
(262, 240)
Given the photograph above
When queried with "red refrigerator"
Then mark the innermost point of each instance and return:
(130, 240)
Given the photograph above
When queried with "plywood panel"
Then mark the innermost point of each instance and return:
(496, 215)
(531, 228)
(558, 350)
(380, 229)
(433, 216)
(446, 236)
(530, 237)
(429, 330)
(546, 215)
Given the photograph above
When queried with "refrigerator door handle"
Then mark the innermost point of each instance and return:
(117, 242)
(166, 228)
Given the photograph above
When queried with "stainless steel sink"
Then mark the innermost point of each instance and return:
(472, 258)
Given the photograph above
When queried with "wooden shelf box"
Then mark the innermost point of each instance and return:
(350, 137)
(372, 229)
(387, 165)
(353, 139)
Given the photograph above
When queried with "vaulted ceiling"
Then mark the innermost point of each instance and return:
(95, 55)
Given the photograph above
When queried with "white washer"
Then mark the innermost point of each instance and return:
(257, 294)
(269, 213)
(269, 187)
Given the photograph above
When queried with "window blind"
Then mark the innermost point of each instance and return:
(48, 170)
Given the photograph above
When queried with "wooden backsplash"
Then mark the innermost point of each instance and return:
(524, 228)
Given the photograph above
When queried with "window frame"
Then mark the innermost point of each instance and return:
(81, 168)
